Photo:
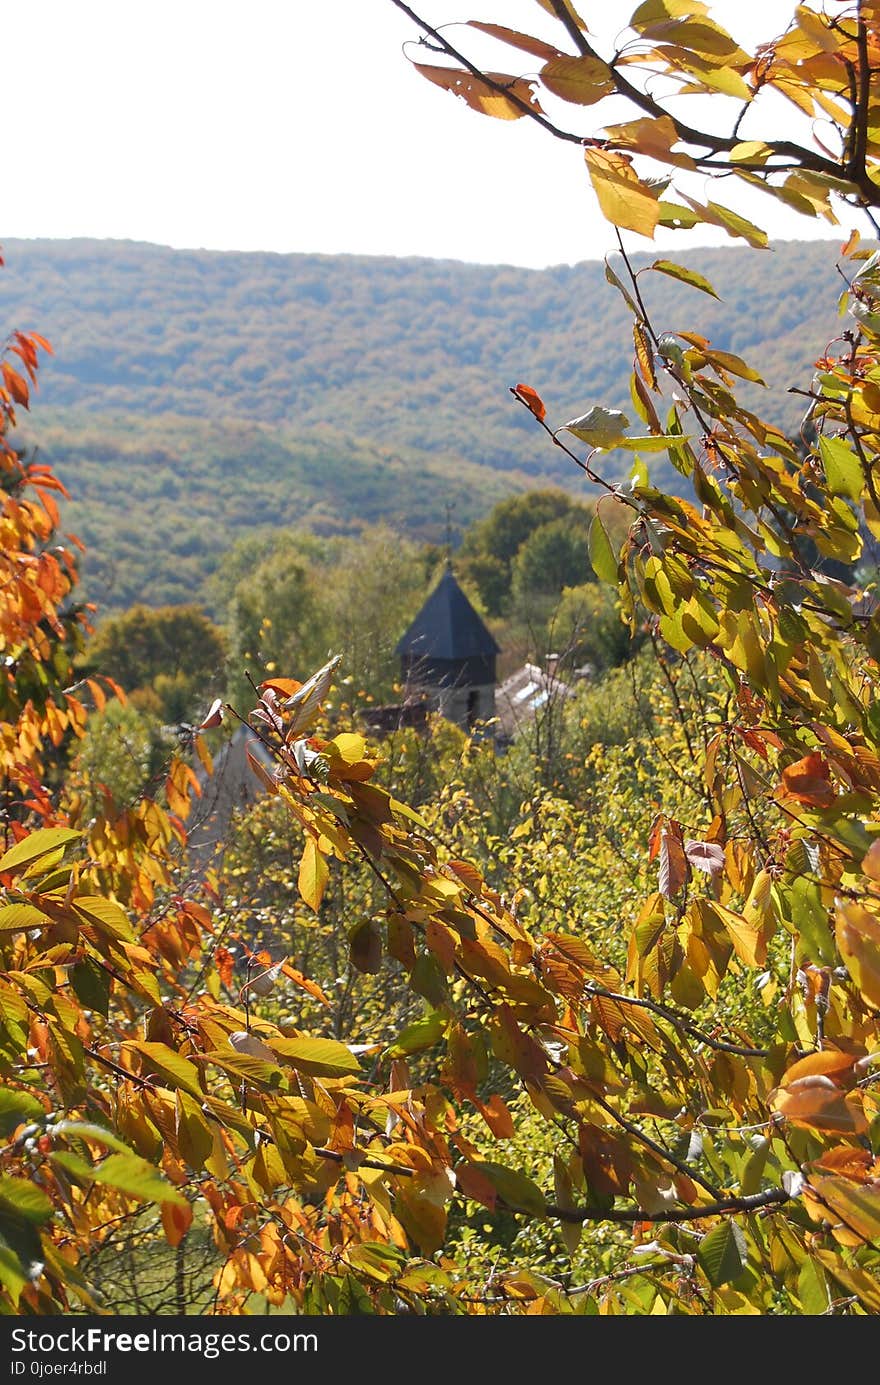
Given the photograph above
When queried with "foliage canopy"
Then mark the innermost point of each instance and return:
(663, 1025)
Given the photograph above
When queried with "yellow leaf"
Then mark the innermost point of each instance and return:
(624, 199)
(479, 95)
(653, 136)
(857, 1206)
(858, 938)
(748, 943)
(573, 14)
(349, 747)
(313, 875)
(582, 81)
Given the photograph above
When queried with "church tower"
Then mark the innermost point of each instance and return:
(448, 655)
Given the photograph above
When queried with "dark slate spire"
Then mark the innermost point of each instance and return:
(447, 627)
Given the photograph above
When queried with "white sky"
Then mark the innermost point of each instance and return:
(297, 125)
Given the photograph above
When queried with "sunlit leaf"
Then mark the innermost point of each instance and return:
(625, 200)
(134, 1176)
(320, 1057)
(33, 847)
(481, 93)
(582, 81)
(722, 1254)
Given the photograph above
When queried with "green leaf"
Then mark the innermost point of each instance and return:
(36, 845)
(723, 1254)
(602, 555)
(731, 222)
(316, 1057)
(24, 1199)
(675, 217)
(12, 1273)
(94, 1134)
(73, 1164)
(15, 918)
(418, 1036)
(133, 1175)
(376, 1259)
(812, 1289)
(843, 470)
(648, 442)
(91, 985)
(753, 1168)
(514, 1188)
(736, 225)
(18, 1108)
(687, 276)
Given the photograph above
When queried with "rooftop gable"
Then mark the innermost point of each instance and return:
(447, 627)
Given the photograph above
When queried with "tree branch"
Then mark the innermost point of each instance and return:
(773, 1197)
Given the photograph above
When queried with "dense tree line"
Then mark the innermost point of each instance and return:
(327, 390)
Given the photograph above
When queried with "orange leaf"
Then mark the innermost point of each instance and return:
(176, 1221)
(815, 1102)
(286, 687)
(467, 874)
(214, 716)
(97, 693)
(532, 400)
(497, 1117)
(224, 961)
(311, 987)
(536, 46)
(825, 1064)
(846, 1161)
(809, 781)
(15, 383)
(441, 941)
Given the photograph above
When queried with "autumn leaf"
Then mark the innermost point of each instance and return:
(482, 94)
(815, 1101)
(858, 937)
(582, 81)
(624, 199)
(537, 47)
(532, 400)
(673, 864)
(705, 856)
(224, 960)
(213, 717)
(809, 782)
(313, 874)
(176, 1221)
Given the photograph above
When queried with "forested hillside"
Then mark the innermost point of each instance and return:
(197, 371)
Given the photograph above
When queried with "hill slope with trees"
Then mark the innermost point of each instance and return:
(200, 371)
